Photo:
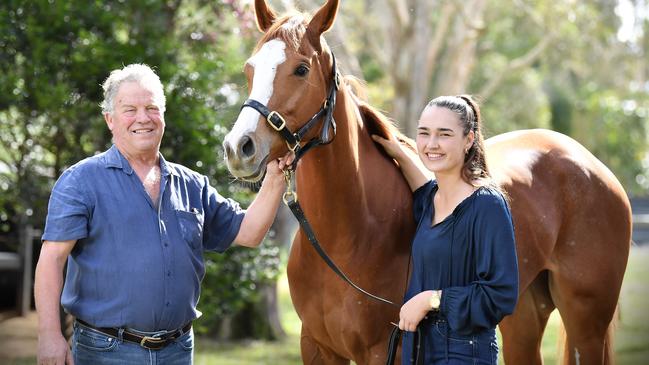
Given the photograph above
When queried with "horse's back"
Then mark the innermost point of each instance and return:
(565, 202)
(572, 221)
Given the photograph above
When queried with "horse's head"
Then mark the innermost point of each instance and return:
(289, 77)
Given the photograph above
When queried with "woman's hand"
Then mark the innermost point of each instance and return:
(392, 146)
(414, 310)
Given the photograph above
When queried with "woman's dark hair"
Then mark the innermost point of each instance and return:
(474, 170)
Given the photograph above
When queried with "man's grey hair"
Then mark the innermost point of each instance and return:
(135, 72)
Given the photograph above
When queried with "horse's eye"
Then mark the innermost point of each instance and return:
(301, 70)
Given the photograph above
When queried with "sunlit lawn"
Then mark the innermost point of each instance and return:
(632, 339)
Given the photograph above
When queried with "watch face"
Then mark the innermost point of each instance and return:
(434, 301)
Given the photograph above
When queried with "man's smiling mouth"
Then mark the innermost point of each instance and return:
(142, 131)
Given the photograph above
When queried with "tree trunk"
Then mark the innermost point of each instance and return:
(417, 48)
(459, 59)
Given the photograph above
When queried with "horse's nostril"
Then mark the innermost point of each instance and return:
(247, 148)
(228, 149)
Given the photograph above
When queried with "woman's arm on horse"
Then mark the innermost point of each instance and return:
(414, 171)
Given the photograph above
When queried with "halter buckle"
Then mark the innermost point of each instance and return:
(276, 114)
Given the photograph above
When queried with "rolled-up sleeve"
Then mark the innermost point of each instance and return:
(68, 210)
(494, 292)
(223, 219)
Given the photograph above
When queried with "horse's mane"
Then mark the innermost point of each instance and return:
(375, 121)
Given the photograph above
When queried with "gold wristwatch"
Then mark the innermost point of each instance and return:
(435, 300)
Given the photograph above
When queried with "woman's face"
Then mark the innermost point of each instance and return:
(441, 142)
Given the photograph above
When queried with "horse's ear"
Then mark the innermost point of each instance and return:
(265, 15)
(322, 22)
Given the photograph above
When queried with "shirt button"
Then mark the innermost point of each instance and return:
(166, 244)
(168, 304)
(168, 273)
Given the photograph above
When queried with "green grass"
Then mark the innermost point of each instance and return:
(631, 342)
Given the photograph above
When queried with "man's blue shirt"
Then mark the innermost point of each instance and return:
(135, 265)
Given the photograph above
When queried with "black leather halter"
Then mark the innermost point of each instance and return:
(293, 140)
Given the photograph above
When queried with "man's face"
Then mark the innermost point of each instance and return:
(137, 123)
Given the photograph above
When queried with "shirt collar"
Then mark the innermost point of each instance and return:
(165, 168)
(115, 159)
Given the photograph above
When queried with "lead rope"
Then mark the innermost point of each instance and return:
(290, 199)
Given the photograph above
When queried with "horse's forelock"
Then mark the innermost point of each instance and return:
(289, 28)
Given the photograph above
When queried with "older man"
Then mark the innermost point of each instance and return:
(134, 227)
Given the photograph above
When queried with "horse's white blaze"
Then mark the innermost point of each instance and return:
(264, 63)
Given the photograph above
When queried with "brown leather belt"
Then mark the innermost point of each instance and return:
(148, 342)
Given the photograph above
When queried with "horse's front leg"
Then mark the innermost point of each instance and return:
(315, 354)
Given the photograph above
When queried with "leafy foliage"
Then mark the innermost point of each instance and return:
(55, 56)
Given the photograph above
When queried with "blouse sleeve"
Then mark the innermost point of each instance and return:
(494, 291)
(420, 198)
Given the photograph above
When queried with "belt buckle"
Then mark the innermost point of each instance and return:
(152, 340)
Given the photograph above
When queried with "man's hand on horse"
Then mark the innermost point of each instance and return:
(277, 166)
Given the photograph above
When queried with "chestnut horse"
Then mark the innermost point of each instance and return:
(572, 216)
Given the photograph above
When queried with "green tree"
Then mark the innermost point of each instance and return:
(533, 64)
(56, 54)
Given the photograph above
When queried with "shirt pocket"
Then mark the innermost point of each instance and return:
(191, 227)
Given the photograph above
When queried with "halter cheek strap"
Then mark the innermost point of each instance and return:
(276, 121)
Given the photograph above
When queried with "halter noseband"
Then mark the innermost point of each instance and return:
(278, 123)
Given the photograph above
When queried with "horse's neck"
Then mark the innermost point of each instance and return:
(332, 176)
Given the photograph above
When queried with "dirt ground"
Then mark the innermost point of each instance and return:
(19, 336)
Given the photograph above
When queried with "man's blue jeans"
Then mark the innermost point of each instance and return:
(92, 347)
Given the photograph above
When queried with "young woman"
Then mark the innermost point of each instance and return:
(465, 276)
